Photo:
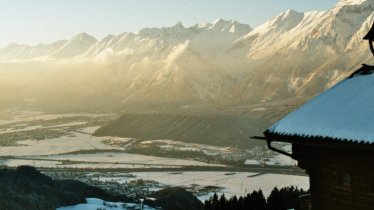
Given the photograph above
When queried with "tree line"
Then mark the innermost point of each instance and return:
(279, 199)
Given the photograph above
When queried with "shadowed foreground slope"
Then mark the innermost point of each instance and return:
(26, 188)
(219, 130)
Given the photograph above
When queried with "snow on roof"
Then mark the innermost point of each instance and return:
(344, 112)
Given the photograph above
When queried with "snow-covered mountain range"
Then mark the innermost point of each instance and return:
(293, 55)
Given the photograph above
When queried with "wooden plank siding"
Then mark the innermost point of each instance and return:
(329, 167)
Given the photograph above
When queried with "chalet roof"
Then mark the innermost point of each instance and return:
(344, 112)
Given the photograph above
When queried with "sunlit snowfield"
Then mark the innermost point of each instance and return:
(239, 183)
(65, 141)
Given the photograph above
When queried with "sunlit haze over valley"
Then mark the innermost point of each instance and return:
(165, 104)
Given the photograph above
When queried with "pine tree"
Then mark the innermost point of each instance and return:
(222, 202)
(277, 200)
(208, 205)
(214, 201)
(233, 203)
(274, 200)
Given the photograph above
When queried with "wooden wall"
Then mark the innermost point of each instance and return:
(340, 179)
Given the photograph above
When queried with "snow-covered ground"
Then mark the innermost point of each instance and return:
(272, 158)
(27, 116)
(95, 203)
(202, 184)
(34, 135)
(31, 128)
(77, 139)
(239, 183)
(73, 142)
(109, 160)
(183, 146)
(76, 147)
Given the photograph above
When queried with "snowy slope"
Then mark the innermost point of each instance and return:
(326, 30)
(312, 54)
(226, 62)
(60, 49)
(75, 46)
(96, 203)
(24, 52)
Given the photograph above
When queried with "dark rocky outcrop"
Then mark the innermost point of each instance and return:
(174, 198)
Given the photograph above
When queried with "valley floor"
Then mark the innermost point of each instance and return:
(63, 147)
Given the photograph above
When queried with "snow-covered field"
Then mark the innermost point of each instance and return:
(34, 135)
(28, 116)
(239, 183)
(76, 147)
(31, 128)
(274, 159)
(77, 139)
(107, 160)
(182, 146)
(95, 203)
(73, 142)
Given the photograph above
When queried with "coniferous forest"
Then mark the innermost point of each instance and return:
(279, 199)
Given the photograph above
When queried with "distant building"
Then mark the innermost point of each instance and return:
(332, 138)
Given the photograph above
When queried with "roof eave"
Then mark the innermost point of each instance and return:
(319, 141)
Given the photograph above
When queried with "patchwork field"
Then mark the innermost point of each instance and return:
(64, 147)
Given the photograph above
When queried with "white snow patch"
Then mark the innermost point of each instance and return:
(74, 142)
(89, 130)
(251, 162)
(239, 183)
(122, 159)
(281, 160)
(25, 116)
(36, 163)
(343, 112)
(96, 203)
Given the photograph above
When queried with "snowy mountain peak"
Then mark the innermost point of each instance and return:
(220, 21)
(77, 45)
(179, 24)
(350, 2)
(291, 15)
(178, 28)
(278, 24)
(356, 6)
(83, 36)
(232, 26)
(292, 12)
(292, 54)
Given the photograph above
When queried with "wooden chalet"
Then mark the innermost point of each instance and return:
(332, 138)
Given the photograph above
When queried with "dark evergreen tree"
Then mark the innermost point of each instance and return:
(256, 201)
(283, 198)
(214, 201)
(278, 200)
(241, 203)
(274, 200)
(233, 203)
(208, 205)
(222, 202)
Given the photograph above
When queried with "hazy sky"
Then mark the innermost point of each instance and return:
(35, 21)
